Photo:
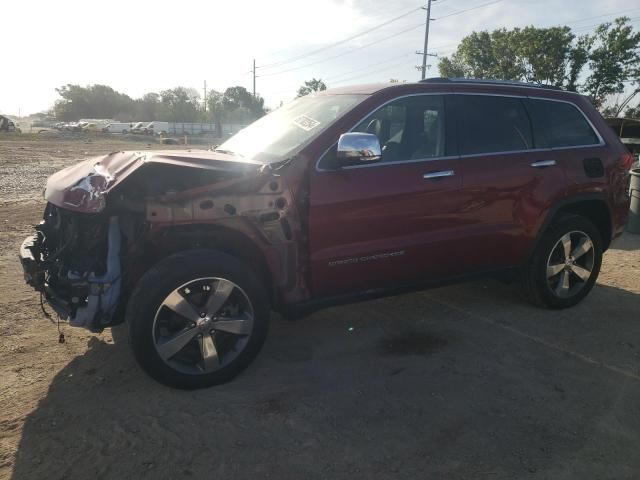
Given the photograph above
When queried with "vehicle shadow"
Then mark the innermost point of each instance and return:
(391, 388)
(628, 241)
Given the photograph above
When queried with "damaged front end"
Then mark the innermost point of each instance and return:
(100, 233)
(74, 262)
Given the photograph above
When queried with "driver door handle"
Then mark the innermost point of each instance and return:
(440, 174)
(543, 163)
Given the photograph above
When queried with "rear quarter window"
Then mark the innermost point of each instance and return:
(559, 124)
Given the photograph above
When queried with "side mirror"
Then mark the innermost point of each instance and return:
(355, 147)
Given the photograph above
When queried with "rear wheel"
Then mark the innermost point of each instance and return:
(565, 265)
(197, 319)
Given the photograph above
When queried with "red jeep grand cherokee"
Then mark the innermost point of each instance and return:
(344, 195)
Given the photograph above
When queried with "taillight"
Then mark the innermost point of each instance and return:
(627, 160)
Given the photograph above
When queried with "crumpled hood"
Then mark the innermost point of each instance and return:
(83, 187)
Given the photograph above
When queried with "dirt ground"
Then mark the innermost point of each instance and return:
(460, 382)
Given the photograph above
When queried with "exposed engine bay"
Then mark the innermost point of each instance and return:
(74, 262)
(99, 233)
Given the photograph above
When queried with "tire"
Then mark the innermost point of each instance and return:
(551, 280)
(222, 324)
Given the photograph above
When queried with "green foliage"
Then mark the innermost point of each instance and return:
(146, 107)
(94, 101)
(236, 105)
(633, 112)
(310, 86)
(178, 104)
(553, 56)
(540, 55)
(613, 60)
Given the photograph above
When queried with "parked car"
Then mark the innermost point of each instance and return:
(8, 125)
(344, 195)
(117, 127)
(74, 126)
(138, 128)
(90, 127)
(157, 128)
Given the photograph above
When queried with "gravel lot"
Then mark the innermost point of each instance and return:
(466, 381)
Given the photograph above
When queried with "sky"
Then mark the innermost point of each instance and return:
(140, 46)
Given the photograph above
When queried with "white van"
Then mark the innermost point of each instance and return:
(157, 128)
(117, 127)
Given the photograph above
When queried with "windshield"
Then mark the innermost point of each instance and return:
(279, 134)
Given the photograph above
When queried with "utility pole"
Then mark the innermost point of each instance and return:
(426, 40)
(205, 96)
(254, 77)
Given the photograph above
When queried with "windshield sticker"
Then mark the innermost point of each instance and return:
(305, 123)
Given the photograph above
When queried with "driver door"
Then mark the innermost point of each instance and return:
(395, 221)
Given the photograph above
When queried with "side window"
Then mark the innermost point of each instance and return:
(492, 124)
(559, 124)
(410, 128)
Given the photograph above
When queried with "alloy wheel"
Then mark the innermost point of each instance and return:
(570, 264)
(203, 325)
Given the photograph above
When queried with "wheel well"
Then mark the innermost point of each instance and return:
(594, 210)
(180, 239)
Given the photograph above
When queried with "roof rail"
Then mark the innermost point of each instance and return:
(488, 81)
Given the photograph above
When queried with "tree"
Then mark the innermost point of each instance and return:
(147, 107)
(540, 55)
(614, 59)
(239, 106)
(216, 109)
(554, 56)
(633, 112)
(93, 101)
(578, 57)
(313, 85)
(179, 104)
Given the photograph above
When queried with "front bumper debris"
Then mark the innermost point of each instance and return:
(83, 299)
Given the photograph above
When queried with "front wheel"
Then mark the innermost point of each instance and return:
(565, 265)
(197, 319)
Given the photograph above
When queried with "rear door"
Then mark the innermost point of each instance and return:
(391, 222)
(510, 179)
(576, 145)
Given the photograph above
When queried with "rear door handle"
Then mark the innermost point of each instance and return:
(543, 163)
(440, 174)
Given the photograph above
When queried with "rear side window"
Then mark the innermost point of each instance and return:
(559, 124)
(489, 124)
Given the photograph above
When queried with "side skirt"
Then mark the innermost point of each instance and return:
(303, 309)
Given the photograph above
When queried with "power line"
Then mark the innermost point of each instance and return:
(599, 16)
(345, 40)
(592, 26)
(468, 9)
(348, 79)
(368, 67)
(401, 32)
(369, 30)
(360, 47)
(344, 53)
